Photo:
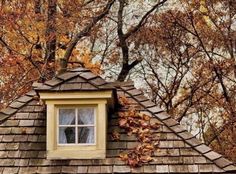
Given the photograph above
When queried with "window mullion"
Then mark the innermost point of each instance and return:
(76, 121)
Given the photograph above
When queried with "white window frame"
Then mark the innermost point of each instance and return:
(76, 126)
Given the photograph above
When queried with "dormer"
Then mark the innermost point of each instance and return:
(77, 105)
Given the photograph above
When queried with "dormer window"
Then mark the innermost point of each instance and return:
(77, 104)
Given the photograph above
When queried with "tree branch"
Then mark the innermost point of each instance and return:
(144, 18)
(81, 34)
(126, 67)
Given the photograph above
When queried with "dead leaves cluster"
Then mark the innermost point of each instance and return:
(138, 124)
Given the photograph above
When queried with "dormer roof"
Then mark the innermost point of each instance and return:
(78, 79)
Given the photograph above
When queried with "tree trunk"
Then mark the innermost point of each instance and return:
(51, 31)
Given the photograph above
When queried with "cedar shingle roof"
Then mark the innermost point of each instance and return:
(23, 136)
(74, 80)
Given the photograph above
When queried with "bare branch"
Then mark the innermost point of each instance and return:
(144, 18)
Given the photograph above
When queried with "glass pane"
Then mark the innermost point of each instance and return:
(85, 116)
(66, 116)
(86, 135)
(66, 135)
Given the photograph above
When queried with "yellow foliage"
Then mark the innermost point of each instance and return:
(84, 57)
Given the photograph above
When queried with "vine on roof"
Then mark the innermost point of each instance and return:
(138, 124)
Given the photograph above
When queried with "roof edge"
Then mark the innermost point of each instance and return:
(179, 130)
(16, 105)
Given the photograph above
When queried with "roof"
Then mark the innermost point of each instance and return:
(23, 137)
(78, 79)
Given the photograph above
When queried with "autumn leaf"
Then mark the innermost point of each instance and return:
(133, 162)
(121, 114)
(122, 122)
(146, 117)
(115, 136)
(134, 122)
(124, 156)
(155, 126)
(146, 159)
(123, 101)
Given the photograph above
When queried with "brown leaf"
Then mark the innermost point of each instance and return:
(146, 117)
(115, 136)
(122, 122)
(133, 162)
(123, 101)
(155, 126)
(146, 159)
(121, 114)
(124, 156)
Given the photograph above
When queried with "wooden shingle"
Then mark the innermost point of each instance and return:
(8, 111)
(212, 155)
(88, 75)
(53, 82)
(67, 75)
(16, 105)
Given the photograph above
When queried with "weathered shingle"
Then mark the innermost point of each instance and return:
(24, 99)
(98, 81)
(88, 75)
(121, 169)
(222, 162)
(203, 148)
(67, 75)
(212, 155)
(8, 111)
(162, 169)
(16, 105)
(53, 82)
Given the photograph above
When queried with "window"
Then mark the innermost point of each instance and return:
(76, 126)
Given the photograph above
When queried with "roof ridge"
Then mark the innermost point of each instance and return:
(178, 129)
(16, 105)
(91, 78)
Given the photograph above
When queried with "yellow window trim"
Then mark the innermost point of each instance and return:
(76, 95)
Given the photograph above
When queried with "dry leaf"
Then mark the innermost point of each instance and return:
(115, 136)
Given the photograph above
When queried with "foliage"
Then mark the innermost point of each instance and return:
(35, 35)
(138, 124)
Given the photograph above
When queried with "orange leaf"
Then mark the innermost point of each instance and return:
(115, 136)
(122, 122)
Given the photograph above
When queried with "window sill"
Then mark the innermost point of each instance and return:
(78, 154)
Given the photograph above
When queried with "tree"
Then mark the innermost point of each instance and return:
(38, 39)
(190, 69)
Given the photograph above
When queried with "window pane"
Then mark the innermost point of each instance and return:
(66, 135)
(85, 116)
(86, 135)
(66, 116)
